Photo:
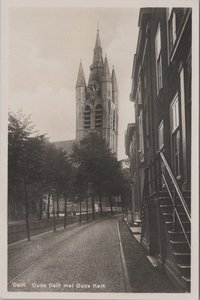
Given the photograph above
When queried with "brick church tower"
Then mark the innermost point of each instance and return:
(97, 101)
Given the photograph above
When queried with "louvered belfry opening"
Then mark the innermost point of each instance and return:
(87, 117)
(98, 116)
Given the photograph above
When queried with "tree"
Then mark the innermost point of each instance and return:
(25, 148)
(98, 166)
(57, 171)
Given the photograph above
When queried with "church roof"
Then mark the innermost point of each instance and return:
(65, 145)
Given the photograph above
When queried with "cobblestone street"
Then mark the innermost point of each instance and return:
(84, 258)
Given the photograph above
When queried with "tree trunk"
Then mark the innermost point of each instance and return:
(27, 210)
(111, 208)
(80, 219)
(100, 203)
(87, 208)
(48, 206)
(57, 201)
(93, 212)
(54, 216)
(40, 209)
(65, 217)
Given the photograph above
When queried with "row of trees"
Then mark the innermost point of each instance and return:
(37, 168)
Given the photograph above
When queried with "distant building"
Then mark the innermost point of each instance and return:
(159, 143)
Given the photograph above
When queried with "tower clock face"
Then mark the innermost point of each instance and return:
(93, 87)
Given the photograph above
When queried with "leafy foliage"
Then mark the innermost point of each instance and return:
(95, 163)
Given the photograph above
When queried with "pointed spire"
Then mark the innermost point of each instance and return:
(106, 72)
(98, 59)
(114, 80)
(81, 77)
(98, 42)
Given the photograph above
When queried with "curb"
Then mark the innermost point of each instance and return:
(134, 235)
(124, 266)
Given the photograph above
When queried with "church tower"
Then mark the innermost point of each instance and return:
(97, 102)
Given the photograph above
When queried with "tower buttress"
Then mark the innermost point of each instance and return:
(106, 95)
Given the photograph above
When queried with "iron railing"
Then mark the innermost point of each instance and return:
(175, 193)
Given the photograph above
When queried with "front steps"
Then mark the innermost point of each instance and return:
(178, 253)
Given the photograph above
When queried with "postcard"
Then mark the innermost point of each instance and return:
(99, 149)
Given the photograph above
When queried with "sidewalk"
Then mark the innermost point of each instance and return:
(17, 229)
(144, 278)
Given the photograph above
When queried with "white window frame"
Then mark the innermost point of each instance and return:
(158, 56)
(141, 137)
(175, 135)
(161, 135)
(172, 29)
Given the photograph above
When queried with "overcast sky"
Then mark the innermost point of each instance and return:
(45, 46)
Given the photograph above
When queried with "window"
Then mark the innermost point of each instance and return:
(87, 114)
(161, 146)
(147, 127)
(139, 93)
(161, 135)
(98, 116)
(141, 141)
(172, 29)
(158, 59)
(175, 135)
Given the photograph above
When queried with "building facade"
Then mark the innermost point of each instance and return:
(97, 101)
(161, 93)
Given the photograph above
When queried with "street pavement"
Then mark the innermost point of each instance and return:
(84, 258)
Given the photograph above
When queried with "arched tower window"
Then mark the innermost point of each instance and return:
(98, 116)
(87, 117)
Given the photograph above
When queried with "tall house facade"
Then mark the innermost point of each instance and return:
(97, 101)
(161, 93)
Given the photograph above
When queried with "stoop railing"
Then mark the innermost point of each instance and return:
(169, 181)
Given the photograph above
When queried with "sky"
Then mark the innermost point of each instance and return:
(44, 48)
